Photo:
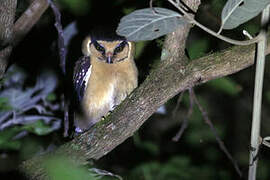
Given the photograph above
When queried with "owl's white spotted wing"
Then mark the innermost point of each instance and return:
(81, 75)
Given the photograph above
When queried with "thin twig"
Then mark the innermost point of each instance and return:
(62, 54)
(101, 173)
(26, 119)
(61, 45)
(224, 38)
(66, 118)
(181, 4)
(151, 6)
(178, 104)
(185, 121)
(213, 129)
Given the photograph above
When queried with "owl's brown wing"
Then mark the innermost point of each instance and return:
(82, 72)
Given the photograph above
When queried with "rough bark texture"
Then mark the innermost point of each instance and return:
(28, 19)
(173, 75)
(7, 16)
(11, 34)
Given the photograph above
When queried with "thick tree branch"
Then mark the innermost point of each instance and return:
(28, 19)
(14, 33)
(7, 16)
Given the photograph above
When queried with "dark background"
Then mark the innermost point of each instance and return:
(151, 153)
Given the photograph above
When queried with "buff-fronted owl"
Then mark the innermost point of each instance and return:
(103, 77)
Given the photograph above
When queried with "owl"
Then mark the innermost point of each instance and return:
(103, 77)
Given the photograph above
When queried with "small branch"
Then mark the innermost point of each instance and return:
(61, 44)
(151, 6)
(213, 129)
(26, 119)
(217, 35)
(247, 34)
(62, 54)
(178, 104)
(185, 121)
(101, 173)
(257, 99)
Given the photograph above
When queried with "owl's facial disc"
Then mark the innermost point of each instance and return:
(110, 51)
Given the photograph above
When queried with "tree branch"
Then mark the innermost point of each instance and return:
(22, 26)
(28, 19)
(7, 16)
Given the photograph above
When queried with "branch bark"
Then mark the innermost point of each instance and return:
(7, 16)
(11, 34)
(28, 19)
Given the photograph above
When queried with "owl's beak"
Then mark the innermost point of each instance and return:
(109, 57)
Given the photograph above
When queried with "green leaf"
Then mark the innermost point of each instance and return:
(51, 97)
(236, 12)
(225, 85)
(4, 104)
(6, 142)
(146, 24)
(38, 127)
(59, 168)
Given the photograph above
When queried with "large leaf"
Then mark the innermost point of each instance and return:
(236, 12)
(149, 24)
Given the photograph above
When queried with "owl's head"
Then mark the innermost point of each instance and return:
(109, 50)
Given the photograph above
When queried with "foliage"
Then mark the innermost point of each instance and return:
(59, 168)
(178, 167)
(236, 12)
(149, 24)
(31, 107)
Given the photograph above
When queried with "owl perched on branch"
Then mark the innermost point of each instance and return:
(103, 77)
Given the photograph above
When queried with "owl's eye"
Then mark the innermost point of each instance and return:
(120, 47)
(99, 47)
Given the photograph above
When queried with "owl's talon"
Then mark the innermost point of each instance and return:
(78, 130)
